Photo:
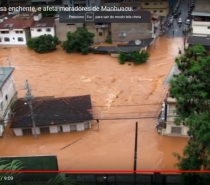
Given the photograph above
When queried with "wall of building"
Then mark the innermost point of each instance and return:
(63, 28)
(13, 36)
(159, 7)
(36, 32)
(133, 31)
(101, 34)
(171, 115)
(18, 131)
(200, 28)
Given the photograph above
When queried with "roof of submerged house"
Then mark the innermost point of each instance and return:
(5, 73)
(53, 111)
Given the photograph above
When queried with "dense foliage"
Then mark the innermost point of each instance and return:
(191, 89)
(78, 41)
(9, 178)
(108, 40)
(133, 56)
(43, 43)
(46, 13)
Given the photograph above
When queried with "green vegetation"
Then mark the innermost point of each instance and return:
(78, 41)
(46, 13)
(9, 178)
(191, 89)
(43, 43)
(133, 56)
(108, 40)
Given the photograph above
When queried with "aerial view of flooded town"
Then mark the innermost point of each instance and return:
(75, 90)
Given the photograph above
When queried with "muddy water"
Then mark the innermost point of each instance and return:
(114, 90)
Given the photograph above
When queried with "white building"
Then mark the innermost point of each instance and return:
(200, 24)
(168, 126)
(15, 30)
(8, 95)
(53, 115)
(42, 26)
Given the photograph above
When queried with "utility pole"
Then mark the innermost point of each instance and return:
(135, 150)
(29, 98)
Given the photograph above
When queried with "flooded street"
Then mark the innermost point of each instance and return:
(118, 93)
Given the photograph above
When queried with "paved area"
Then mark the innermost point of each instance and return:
(175, 27)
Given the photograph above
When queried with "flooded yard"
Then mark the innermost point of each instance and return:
(121, 95)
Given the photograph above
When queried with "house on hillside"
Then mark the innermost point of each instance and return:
(42, 26)
(53, 115)
(8, 95)
(15, 30)
(165, 124)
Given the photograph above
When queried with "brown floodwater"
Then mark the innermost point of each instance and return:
(118, 92)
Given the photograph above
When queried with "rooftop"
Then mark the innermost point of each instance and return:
(22, 21)
(205, 41)
(44, 22)
(202, 6)
(174, 71)
(53, 111)
(5, 73)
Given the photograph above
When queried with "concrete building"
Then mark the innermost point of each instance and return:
(159, 7)
(200, 24)
(166, 125)
(15, 30)
(8, 95)
(42, 26)
(131, 3)
(53, 115)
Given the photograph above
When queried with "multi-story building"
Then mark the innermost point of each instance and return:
(160, 7)
(200, 24)
(8, 95)
(15, 30)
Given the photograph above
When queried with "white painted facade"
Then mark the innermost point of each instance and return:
(56, 128)
(38, 31)
(8, 95)
(13, 37)
(171, 129)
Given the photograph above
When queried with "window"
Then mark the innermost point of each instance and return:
(20, 39)
(2, 106)
(48, 30)
(19, 32)
(44, 130)
(110, 33)
(27, 131)
(154, 11)
(176, 130)
(100, 33)
(161, 11)
(155, 3)
(122, 34)
(146, 4)
(4, 32)
(6, 39)
(6, 97)
(161, 3)
(208, 27)
(39, 30)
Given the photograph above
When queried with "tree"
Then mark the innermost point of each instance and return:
(15, 178)
(78, 41)
(45, 11)
(191, 89)
(133, 56)
(43, 43)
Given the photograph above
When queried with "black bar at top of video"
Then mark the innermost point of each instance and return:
(105, 17)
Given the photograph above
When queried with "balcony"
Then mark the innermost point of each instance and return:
(101, 26)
